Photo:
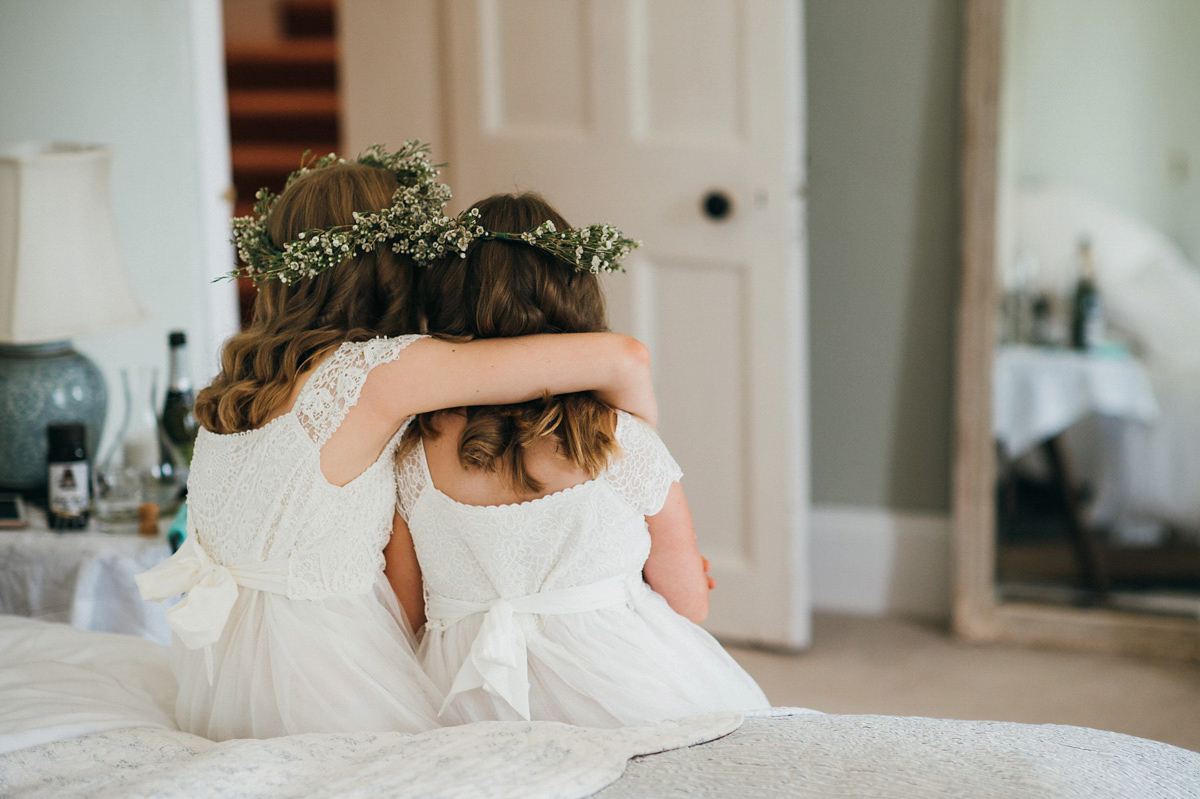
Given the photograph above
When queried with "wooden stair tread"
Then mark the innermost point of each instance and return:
(302, 18)
(283, 102)
(294, 51)
(296, 63)
(282, 157)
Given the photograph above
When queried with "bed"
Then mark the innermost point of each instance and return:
(88, 714)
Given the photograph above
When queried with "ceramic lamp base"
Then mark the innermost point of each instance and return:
(41, 384)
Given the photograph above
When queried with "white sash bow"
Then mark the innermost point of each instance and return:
(211, 589)
(498, 661)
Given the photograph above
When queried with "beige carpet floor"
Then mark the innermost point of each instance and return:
(911, 668)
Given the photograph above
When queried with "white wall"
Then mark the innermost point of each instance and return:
(145, 77)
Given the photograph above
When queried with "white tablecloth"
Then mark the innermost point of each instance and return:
(82, 578)
(1039, 392)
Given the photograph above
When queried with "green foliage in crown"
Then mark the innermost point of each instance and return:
(415, 224)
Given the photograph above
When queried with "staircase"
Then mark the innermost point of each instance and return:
(283, 100)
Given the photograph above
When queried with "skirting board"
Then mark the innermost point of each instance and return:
(880, 563)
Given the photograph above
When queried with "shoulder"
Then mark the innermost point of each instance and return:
(376, 360)
(343, 379)
(376, 351)
(644, 470)
(412, 474)
(363, 356)
(634, 433)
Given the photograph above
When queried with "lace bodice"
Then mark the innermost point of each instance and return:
(577, 536)
(260, 495)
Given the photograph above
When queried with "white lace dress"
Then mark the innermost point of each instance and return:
(289, 625)
(538, 610)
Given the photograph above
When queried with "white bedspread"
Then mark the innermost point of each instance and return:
(57, 681)
(88, 714)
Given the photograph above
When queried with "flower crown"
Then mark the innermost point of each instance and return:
(415, 224)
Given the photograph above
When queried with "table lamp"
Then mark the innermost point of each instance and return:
(60, 277)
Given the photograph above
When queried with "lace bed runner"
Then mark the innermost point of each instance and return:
(537, 760)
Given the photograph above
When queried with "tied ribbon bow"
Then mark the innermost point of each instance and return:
(209, 589)
(498, 660)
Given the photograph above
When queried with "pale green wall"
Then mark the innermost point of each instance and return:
(1105, 99)
(883, 136)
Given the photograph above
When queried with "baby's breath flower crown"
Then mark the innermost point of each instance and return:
(415, 224)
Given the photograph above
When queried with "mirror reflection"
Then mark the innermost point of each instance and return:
(1096, 379)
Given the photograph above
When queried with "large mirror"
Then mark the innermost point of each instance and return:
(1077, 496)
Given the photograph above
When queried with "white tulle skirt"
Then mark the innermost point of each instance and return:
(628, 664)
(285, 666)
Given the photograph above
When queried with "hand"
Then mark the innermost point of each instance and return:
(711, 582)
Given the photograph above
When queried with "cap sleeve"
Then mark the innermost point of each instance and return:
(412, 475)
(644, 470)
(335, 386)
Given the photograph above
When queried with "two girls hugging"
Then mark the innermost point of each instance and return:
(427, 489)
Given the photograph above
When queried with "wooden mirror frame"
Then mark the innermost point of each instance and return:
(977, 612)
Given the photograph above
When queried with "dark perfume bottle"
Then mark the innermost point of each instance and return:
(68, 492)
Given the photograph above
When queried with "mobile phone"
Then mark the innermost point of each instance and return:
(12, 511)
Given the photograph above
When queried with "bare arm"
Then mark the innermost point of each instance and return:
(432, 374)
(404, 573)
(675, 568)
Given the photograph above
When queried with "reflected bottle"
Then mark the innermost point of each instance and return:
(1087, 311)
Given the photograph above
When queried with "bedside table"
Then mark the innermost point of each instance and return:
(83, 578)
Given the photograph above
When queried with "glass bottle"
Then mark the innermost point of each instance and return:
(160, 462)
(117, 484)
(178, 423)
(139, 466)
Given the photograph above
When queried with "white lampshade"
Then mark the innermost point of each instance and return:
(60, 271)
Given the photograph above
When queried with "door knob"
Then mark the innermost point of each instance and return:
(717, 205)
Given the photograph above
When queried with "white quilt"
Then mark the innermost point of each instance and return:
(86, 714)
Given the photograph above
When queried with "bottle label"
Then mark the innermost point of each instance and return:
(68, 490)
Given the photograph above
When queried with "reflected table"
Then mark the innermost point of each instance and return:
(1039, 392)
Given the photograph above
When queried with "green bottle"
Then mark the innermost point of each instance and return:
(178, 423)
(1087, 311)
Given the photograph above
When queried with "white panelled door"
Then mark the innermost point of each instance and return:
(679, 121)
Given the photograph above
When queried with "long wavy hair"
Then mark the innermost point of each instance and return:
(296, 323)
(502, 289)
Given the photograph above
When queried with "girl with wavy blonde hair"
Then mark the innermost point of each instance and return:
(548, 544)
(289, 624)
